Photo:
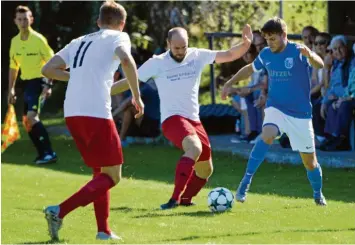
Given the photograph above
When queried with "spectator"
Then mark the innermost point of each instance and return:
(251, 94)
(340, 115)
(321, 43)
(259, 41)
(339, 73)
(149, 124)
(309, 35)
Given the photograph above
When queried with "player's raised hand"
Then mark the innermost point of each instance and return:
(305, 51)
(247, 34)
(139, 105)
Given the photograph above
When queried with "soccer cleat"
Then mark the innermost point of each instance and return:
(320, 201)
(169, 205)
(242, 190)
(48, 158)
(54, 222)
(104, 236)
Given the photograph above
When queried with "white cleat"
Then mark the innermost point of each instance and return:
(105, 236)
(54, 222)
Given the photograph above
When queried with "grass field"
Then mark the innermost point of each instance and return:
(279, 208)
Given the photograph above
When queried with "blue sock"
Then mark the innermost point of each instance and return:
(256, 157)
(315, 178)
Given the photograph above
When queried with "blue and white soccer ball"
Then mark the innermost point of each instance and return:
(220, 199)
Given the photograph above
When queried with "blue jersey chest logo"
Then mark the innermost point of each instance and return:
(289, 62)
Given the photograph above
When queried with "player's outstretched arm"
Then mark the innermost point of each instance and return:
(119, 86)
(130, 70)
(55, 69)
(236, 51)
(242, 74)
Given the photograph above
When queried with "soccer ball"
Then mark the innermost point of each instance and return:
(220, 199)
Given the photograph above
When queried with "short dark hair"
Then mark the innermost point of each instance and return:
(314, 31)
(326, 36)
(175, 30)
(257, 32)
(252, 49)
(22, 9)
(275, 25)
(112, 13)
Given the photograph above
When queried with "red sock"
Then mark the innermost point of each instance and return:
(102, 212)
(102, 209)
(183, 171)
(193, 187)
(90, 192)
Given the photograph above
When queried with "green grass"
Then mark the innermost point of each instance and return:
(279, 208)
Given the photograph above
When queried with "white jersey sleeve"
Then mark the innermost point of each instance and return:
(206, 56)
(148, 70)
(122, 40)
(65, 53)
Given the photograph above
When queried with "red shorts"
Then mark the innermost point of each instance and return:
(176, 128)
(97, 140)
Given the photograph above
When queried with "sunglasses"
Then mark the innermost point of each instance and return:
(320, 43)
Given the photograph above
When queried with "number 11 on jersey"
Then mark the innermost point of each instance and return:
(83, 54)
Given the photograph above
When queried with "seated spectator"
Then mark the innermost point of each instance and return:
(309, 35)
(149, 124)
(259, 41)
(242, 122)
(340, 115)
(321, 43)
(252, 94)
(339, 73)
(117, 99)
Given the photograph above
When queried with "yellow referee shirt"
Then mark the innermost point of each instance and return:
(30, 55)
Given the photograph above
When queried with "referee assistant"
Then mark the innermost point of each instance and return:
(29, 51)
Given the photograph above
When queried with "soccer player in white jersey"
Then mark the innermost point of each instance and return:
(177, 74)
(92, 60)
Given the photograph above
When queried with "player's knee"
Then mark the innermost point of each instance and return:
(269, 133)
(309, 160)
(195, 150)
(192, 146)
(204, 169)
(114, 172)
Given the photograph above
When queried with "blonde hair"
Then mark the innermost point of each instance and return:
(112, 13)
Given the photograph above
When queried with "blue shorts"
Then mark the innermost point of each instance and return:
(32, 95)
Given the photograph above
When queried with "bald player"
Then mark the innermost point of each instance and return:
(177, 74)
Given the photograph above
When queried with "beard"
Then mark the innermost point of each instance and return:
(177, 59)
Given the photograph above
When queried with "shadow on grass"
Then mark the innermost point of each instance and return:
(157, 162)
(46, 242)
(202, 214)
(191, 238)
(128, 209)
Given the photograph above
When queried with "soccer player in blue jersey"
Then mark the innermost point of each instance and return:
(288, 108)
